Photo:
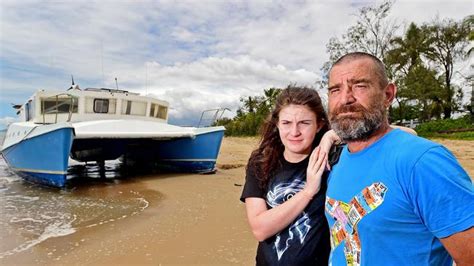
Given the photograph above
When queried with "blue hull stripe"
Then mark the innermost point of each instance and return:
(44, 178)
(42, 159)
(189, 160)
(39, 171)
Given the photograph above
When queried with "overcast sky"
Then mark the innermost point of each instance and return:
(195, 54)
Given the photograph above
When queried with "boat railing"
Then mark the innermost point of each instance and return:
(55, 109)
(216, 114)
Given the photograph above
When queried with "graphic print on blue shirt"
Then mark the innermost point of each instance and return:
(348, 215)
(299, 229)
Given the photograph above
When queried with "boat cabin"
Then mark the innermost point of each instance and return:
(75, 105)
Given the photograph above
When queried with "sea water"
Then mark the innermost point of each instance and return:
(31, 213)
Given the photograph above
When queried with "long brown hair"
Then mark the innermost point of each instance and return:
(268, 156)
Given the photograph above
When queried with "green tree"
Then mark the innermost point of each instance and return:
(250, 103)
(469, 23)
(417, 85)
(424, 89)
(270, 96)
(371, 33)
(251, 114)
(408, 50)
(448, 43)
(469, 79)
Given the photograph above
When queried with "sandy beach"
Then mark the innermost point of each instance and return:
(188, 219)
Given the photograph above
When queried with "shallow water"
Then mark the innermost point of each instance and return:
(31, 214)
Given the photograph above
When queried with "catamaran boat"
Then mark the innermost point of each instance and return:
(98, 125)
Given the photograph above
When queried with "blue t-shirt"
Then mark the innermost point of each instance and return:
(389, 203)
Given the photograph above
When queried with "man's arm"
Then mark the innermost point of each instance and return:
(461, 246)
(443, 194)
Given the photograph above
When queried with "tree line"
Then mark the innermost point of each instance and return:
(251, 114)
(422, 62)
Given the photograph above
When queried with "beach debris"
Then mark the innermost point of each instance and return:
(230, 166)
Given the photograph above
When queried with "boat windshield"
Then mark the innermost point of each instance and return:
(59, 104)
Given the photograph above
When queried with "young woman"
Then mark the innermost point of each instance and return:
(284, 191)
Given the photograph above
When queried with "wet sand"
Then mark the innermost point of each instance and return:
(190, 219)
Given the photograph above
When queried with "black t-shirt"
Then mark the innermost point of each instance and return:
(306, 240)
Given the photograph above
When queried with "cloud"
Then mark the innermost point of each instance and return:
(217, 82)
(422, 11)
(216, 51)
(5, 121)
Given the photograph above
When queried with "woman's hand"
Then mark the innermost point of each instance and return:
(318, 161)
(329, 138)
(316, 166)
(266, 222)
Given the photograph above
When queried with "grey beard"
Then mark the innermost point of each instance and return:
(356, 129)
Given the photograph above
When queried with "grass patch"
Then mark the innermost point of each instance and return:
(455, 136)
(461, 128)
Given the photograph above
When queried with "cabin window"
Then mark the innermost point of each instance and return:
(129, 107)
(101, 106)
(27, 111)
(152, 110)
(134, 108)
(158, 111)
(162, 112)
(31, 110)
(53, 105)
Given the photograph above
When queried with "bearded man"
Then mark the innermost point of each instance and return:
(393, 198)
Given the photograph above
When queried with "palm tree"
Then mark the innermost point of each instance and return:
(250, 104)
(403, 59)
(271, 94)
(408, 50)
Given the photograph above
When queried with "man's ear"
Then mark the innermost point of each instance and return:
(390, 93)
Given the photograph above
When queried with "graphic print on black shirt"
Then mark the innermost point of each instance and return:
(306, 240)
(298, 230)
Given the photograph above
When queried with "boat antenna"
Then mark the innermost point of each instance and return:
(116, 83)
(102, 60)
(146, 78)
(72, 77)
